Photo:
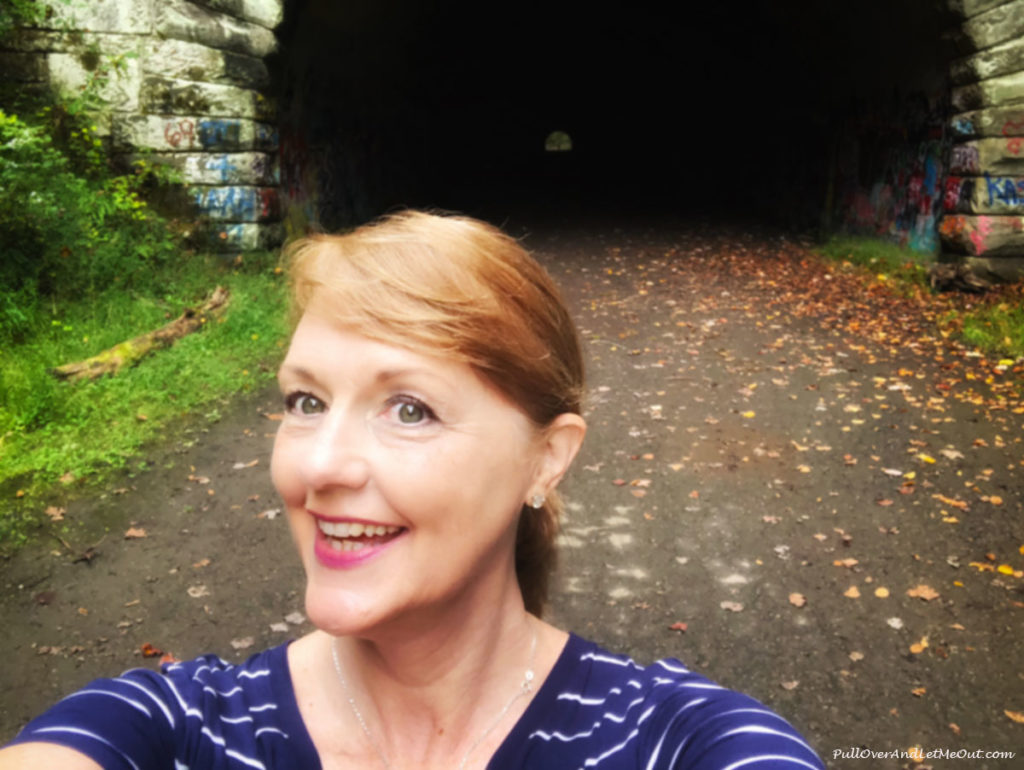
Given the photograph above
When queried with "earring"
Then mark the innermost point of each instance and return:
(537, 500)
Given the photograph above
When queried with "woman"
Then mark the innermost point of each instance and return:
(432, 392)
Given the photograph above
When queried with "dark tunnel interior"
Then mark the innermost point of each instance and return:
(690, 109)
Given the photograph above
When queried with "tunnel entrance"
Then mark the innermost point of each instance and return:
(764, 111)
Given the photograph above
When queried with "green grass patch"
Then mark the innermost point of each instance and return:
(996, 326)
(51, 430)
(880, 257)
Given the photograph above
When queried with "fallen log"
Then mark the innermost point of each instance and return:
(130, 352)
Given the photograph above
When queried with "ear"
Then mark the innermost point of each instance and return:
(560, 442)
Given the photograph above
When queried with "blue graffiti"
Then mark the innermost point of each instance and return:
(237, 203)
(217, 134)
(963, 126)
(1006, 190)
(223, 164)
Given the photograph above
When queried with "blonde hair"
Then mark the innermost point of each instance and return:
(465, 290)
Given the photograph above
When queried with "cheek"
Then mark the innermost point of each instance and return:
(283, 472)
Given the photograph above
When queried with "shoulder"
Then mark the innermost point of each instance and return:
(605, 709)
(203, 712)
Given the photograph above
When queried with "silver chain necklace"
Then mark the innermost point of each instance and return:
(524, 689)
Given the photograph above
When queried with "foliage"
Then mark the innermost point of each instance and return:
(20, 13)
(51, 430)
(68, 226)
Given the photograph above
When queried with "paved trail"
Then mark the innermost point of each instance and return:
(777, 456)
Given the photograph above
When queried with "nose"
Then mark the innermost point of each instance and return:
(337, 453)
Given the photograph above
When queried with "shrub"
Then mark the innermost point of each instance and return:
(68, 227)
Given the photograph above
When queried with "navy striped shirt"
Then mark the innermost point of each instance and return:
(595, 710)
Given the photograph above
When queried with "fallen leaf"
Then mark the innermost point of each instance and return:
(918, 647)
(848, 563)
(882, 592)
(852, 592)
(797, 600)
(731, 606)
(804, 468)
(678, 626)
(280, 628)
(923, 592)
(995, 500)
(243, 643)
(955, 728)
(197, 592)
(917, 692)
(67, 478)
(884, 503)
(1016, 716)
(295, 618)
(820, 536)
(771, 519)
(855, 656)
(894, 623)
(791, 685)
(619, 482)
(748, 414)
(201, 563)
(134, 533)
(276, 417)
(270, 513)
(55, 513)
(149, 651)
(240, 465)
(951, 454)
(950, 501)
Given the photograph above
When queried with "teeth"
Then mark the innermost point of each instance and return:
(344, 529)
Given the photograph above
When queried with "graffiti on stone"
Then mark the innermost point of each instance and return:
(217, 133)
(222, 164)
(1006, 190)
(964, 159)
(177, 132)
(963, 126)
(236, 203)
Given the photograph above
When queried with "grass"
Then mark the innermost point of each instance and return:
(882, 258)
(993, 322)
(51, 430)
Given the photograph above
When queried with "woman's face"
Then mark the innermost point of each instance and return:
(403, 475)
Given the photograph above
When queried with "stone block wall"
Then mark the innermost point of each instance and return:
(984, 196)
(189, 89)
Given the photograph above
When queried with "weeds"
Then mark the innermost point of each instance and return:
(993, 323)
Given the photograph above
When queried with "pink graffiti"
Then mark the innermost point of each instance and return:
(1013, 127)
(979, 235)
(952, 193)
(1014, 145)
(176, 132)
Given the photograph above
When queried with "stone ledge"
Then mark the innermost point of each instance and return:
(125, 16)
(998, 269)
(120, 92)
(181, 20)
(182, 60)
(992, 27)
(178, 133)
(998, 156)
(996, 92)
(969, 8)
(180, 97)
(266, 13)
(988, 194)
(1001, 60)
(219, 168)
(995, 121)
(238, 203)
(977, 236)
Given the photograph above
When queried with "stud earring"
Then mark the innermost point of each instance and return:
(537, 500)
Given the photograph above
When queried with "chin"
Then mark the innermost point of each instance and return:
(336, 611)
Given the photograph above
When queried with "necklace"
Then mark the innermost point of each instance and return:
(524, 688)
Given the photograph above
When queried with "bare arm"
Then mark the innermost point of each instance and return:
(43, 755)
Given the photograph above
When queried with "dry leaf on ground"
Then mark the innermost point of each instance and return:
(923, 592)
(797, 600)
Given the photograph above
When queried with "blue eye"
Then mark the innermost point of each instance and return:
(304, 403)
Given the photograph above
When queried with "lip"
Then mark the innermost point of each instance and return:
(333, 559)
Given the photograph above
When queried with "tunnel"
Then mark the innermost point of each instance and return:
(748, 112)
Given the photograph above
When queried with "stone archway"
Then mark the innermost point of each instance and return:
(193, 90)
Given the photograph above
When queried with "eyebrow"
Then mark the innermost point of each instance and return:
(384, 375)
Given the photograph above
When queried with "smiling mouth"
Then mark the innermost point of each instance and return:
(353, 536)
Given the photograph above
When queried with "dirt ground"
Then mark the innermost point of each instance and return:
(826, 493)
